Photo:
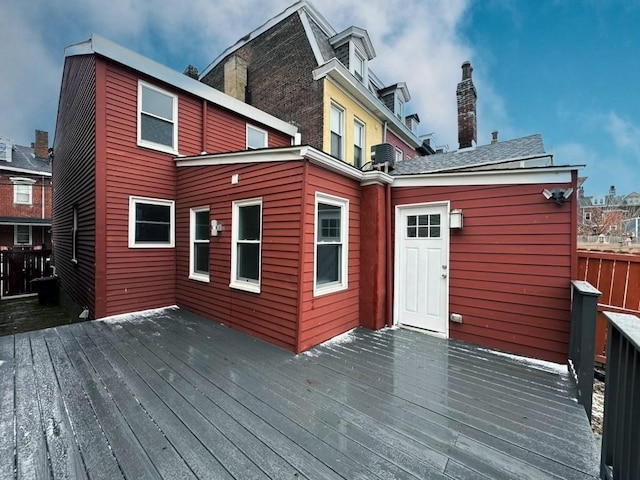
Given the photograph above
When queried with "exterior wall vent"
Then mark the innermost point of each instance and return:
(383, 154)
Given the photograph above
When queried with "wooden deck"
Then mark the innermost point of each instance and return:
(171, 395)
(26, 314)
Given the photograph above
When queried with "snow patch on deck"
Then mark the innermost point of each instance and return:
(544, 365)
(138, 317)
(346, 337)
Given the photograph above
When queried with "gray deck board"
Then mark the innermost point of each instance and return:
(171, 395)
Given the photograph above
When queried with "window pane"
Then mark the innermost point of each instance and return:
(249, 223)
(411, 232)
(23, 234)
(434, 232)
(423, 232)
(434, 219)
(336, 120)
(328, 222)
(248, 260)
(423, 220)
(336, 145)
(155, 130)
(328, 264)
(153, 223)
(157, 103)
(202, 226)
(201, 257)
(357, 156)
(411, 220)
(256, 138)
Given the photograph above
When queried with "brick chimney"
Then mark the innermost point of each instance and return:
(41, 147)
(466, 95)
(494, 137)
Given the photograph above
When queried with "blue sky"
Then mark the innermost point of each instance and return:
(565, 69)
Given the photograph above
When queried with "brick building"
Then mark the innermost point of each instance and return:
(25, 194)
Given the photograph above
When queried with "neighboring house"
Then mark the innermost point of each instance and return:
(25, 194)
(298, 68)
(25, 214)
(161, 199)
(609, 214)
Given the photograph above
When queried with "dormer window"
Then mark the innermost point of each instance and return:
(398, 107)
(354, 49)
(358, 65)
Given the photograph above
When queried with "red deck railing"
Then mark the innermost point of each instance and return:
(617, 276)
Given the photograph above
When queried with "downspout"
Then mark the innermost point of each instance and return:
(389, 266)
(384, 131)
(43, 201)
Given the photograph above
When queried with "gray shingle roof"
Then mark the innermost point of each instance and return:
(484, 155)
(24, 158)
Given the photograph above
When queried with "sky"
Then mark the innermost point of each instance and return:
(566, 69)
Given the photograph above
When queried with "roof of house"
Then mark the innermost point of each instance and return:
(23, 160)
(320, 35)
(105, 48)
(507, 151)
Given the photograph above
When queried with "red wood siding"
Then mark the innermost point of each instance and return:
(273, 313)
(394, 140)
(510, 267)
(326, 316)
(74, 177)
(135, 278)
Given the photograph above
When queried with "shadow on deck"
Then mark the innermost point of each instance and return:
(170, 394)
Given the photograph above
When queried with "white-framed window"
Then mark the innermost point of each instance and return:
(399, 155)
(22, 235)
(256, 138)
(22, 190)
(74, 235)
(358, 143)
(199, 244)
(151, 223)
(246, 243)
(157, 118)
(587, 216)
(337, 131)
(359, 65)
(398, 105)
(331, 244)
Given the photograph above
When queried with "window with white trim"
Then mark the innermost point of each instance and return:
(246, 239)
(587, 216)
(398, 106)
(358, 143)
(331, 244)
(157, 118)
(22, 235)
(337, 131)
(256, 138)
(398, 155)
(199, 244)
(22, 190)
(151, 223)
(359, 65)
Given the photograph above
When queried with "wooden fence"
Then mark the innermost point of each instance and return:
(617, 276)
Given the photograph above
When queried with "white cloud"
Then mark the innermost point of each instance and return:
(625, 135)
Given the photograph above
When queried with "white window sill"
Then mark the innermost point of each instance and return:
(329, 288)
(199, 277)
(245, 285)
(158, 146)
(151, 245)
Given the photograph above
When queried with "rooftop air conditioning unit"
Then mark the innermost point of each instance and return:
(383, 155)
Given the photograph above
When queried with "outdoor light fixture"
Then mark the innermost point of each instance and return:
(455, 218)
(558, 195)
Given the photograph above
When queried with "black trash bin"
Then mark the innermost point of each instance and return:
(47, 288)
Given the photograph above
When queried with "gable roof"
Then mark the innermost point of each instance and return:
(518, 149)
(107, 49)
(23, 160)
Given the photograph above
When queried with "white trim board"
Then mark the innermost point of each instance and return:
(504, 177)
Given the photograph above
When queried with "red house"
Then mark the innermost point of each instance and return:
(161, 198)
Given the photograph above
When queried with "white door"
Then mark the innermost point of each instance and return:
(422, 267)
